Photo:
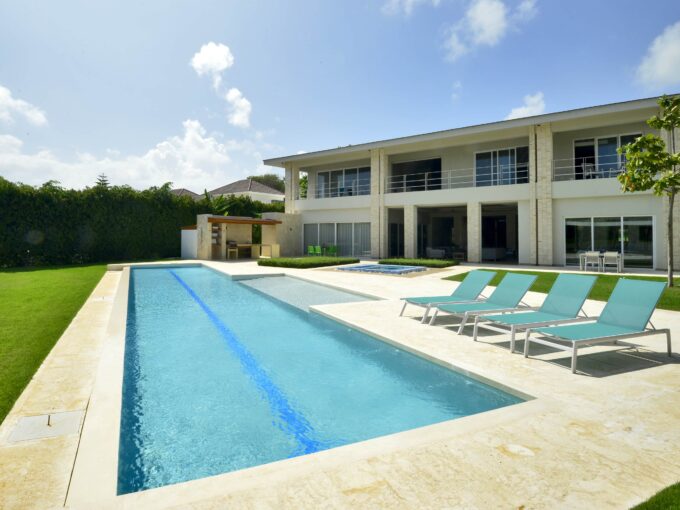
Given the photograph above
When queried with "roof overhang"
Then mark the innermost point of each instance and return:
(242, 221)
(363, 149)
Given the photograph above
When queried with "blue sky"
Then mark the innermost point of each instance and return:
(198, 93)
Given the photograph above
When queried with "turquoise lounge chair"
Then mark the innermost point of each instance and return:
(505, 298)
(625, 315)
(468, 290)
(562, 304)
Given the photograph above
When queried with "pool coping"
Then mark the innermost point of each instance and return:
(95, 472)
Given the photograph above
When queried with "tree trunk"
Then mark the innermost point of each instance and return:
(669, 241)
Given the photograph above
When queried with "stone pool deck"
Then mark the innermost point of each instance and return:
(608, 437)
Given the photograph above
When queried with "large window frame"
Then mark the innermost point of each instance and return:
(498, 176)
(356, 226)
(622, 238)
(612, 168)
(343, 182)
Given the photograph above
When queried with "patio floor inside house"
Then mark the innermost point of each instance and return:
(606, 438)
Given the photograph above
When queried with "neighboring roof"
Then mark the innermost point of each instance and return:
(479, 128)
(243, 186)
(183, 192)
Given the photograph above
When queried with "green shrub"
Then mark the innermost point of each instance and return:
(49, 225)
(306, 262)
(437, 263)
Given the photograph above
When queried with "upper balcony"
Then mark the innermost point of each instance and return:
(588, 168)
(487, 175)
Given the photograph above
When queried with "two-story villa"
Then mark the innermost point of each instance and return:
(535, 190)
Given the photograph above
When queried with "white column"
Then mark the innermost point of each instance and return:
(410, 231)
(540, 204)
(474, 232)
(378, 212)
(292, 179)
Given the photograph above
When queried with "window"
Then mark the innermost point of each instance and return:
(502, 166)
(351, 239)
(598, 157)
(344, 182)
(632, 236)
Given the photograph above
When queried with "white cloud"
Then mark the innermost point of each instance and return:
(405, 7)
(240, 108)
(660, 67)
(456, 90)
(526, 10)
(533, 105)
(194, 160)
(11, 107)
(485, 23)
(213, 59)
(455, 48)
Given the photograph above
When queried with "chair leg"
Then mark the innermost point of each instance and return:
(526, 344)
(462, 323)
(434, 316)
(574, 357)
(512, 339)
(474, 331)
(426, 314)
(403, 308)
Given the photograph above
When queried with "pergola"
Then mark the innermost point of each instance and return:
(229, 237)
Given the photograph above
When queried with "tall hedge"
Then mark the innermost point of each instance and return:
(49, 225)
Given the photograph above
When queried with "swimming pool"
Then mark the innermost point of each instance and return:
(220, 377)
(383, 268)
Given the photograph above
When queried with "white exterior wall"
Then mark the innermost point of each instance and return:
(189, 249)
(542, 204)
(607, 206)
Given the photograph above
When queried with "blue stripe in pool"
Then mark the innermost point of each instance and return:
(293, 421)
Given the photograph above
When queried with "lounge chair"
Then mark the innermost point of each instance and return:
(505, 298)
(468, 290)
(562, 304)
(625, 315)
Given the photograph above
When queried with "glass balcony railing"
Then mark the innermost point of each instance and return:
(576, 169)
(498, 175)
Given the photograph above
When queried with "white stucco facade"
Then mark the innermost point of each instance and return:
(431, 194)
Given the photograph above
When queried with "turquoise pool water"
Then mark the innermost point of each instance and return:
(383, 268)
(220, 377)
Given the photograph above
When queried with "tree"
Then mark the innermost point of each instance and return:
(651, 164)
(304, 181)
(102, 181)
(271, 180)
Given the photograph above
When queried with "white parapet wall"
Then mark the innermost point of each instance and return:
(189, 244)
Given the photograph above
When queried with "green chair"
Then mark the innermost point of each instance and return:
(470, 289)
(562, 304)
(625, 315)
(505, 298)
(317, 251)
(332, 251)
(310, 250)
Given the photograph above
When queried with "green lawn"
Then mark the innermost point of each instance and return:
(36, 306)
(670, 300)
(306, 262)
(667, 499)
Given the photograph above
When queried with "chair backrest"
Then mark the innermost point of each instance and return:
(568, 293)
(511, 289)
(310, 250)
(610, 257)
(593, 254)
(317, 250)
(632, 303)
(473, 285)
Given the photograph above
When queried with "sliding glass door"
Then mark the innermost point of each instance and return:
(633, 236)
